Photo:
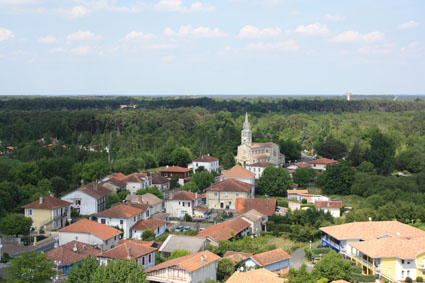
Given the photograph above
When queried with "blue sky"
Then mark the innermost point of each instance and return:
(212, 47)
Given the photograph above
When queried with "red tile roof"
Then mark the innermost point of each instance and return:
(323, 161)
(150, 224)
(205, 158)
(90, 227)
(66, 254)
(225, 230)
(238, 171)
(175, 169)
(135, 178)
(301, 164)
(115, 182)
(263, 144)
(120, 210)
(118, 176)
(47, 203)
(183, 195)
(231, 185)
(265, 206)
(262, 164)
(95, 190)
(189, 263)
(200, 208)
(159, 179)
(297, 192)
(122, 251)
(328, 204)
(237, 257)
(270, 257)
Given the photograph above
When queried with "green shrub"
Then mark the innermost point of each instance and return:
(408, 280)
(187, 218)
(419, 279)
(282, 203)
(303, 200)
(363, 278)
(357, 269)
(322, 251)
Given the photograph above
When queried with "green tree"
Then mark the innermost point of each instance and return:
(202, 179)
(83, 270)
(178, 253)
(148, 235)
(300, 275)
(125, 271)
(150, 190)
(333, 267)
(382, 152)
(181, 156)
(337, 178)
(304, 176)
(59, 185)
(332, 149)
(174, 182)
(228, 160)
(15, 224)
(356, 156)
(274, 182)
(30, 267)
(25, 173)
(225, 269)
(290, 148)
(111, 199)
(190, 187)
(366, 167)
(95, 170)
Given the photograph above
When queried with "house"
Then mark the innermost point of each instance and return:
(118, 176)
(88, 199)
(239, 173)
(257, 221)
(70, 253)
(206, 161)
(180, 172)
(276, 261)
(294, 194)
(122, 216)
(156, 225)
(311, 198)
(236, 227)
(130, 250)
(237, 257)
(91, 233)
(334, 207)
(321, 163)
(181, 203)
(391, 258)
(182, 242)
(191, 268)
(160, 182)
(255, 276)
(223, 194)
(200, 212)
(114, 185)
(258, 168)
(266, 206)
(137, 181)
(48, 213)
(154, 202)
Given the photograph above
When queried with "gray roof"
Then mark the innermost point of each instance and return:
(189, 243)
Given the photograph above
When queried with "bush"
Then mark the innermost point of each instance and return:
(363, 278)
(357, 269)
(408, 280)
(303, 200)
(419, 279)
(282, 203)
(322, 251)
(187, 218)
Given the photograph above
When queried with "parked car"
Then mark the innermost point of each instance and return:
(186, 228)
(179, 228)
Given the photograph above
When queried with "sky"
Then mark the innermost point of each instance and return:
(252, 47)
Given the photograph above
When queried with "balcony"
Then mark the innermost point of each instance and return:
(420, 266)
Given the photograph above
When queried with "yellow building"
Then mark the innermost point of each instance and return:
(48, 213)
(223, 195)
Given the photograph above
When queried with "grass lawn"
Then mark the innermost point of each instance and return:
(285, 244)
(154, 170)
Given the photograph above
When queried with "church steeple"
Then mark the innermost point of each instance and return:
(246, 135)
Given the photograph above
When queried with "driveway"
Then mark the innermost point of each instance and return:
(294, 205)
(298, 259)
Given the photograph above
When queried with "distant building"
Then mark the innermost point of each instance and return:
(223, 195)
(155, 225)
(236, 227)
(296, 194)
(238, 173)
(266, 206)
(258, 168)
(276, 261)
(320, 164)
(160, 182)
(182, 242)
(333, 207)
(208, 162)
(348, 95)
(256, 275)
(180, 172)
(181, 203)
(137, 181)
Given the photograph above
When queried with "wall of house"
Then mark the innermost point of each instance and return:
(49, 219)
(134, 187)
(319, 166)
(126, 226)
(258, 171)
(88, 204)
(163, 187)
(209, 166)
(137, 234)
(405, 268)
(209, 271)
(149, 260)
(156, 209)
(388, 267)
(39, 216)
(420, 261)
(277, 266)
(169, 275)
(214, 199)
(176, 209)
(66, 237)
(256, 227)
(335, 212)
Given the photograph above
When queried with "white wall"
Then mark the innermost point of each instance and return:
(210, 166)
(209, 271)
(127, 223)
(90, 239)
(407, 266)
(88, 204)
(176, 209)
(134, 187)
(137, 234)
(335, 212)
(139, 260)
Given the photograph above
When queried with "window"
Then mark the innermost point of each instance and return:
(103, 221)
(402, 274)
(183, 203)
(188, 204)
(147, 213)
(408, 273)
(150, 257)
(143, 260)
(29, 211)
(226, 194)
(57, 212)
(237, 194)
(106, 242)
(77, 202)
(215, 194)
(134, 218)
(402, 261)
(121, 222)
(166, 174)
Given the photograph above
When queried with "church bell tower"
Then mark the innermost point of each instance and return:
(246, 135)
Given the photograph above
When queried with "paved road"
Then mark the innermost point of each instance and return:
(297, 259)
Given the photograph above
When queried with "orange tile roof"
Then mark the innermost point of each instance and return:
(301, 164)
(118, 176)
(183, 195)
(225, 230)
(230, 185)
(205, 158)
(262, 144)
(90, 227)
(150, 224)
(189, 263)
(66, 254)
(135, 178)
(200, 208)
(297, 192)
(270, 257)
(265, 206)
(95, 190)
(259, 156)
(238, 171)
(237, 257)
(176, 169)
(323, 161)
(328, 204)
(261, 164)
(122, 251)
(47, 203)
(371, 230)
(256, 276)
(144, 243)
(120, 210)
(391, 247)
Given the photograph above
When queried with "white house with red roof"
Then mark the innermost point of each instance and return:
(137, 181)
(206, 161)
(276, 261)
(321, 163)
(156, 225)
(258, 168)
(239, 173)
(333, 207)
(91, 233)
(181, 203)
(176, 171)
(223, 194)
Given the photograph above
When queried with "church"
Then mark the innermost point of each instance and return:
(251, 153)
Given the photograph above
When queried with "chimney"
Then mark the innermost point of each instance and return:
(84, 247)
(82, 182)
(166, 166)
(75, 248)
(398, 235)
(196, 195)
(129, 253)
(101, 249)
(41, 200)
(203, 258)
(95, 185)
(329, 204)
(370, 219)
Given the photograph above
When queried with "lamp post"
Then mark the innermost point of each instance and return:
(57, 263)
(310, 244)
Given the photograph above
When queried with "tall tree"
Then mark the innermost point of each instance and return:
(337, 178)
(333, 267)
(95, 170)
(382, 153)
(332, 149)
(15, 224)
(290, 148)
(225, 269)
(274, 182)
(228, 160)
(83, 270)
(126, 271)
(304, 176)
(148, 235)
(30, 267)
(355, 155)
(203, 179)
(181, 156)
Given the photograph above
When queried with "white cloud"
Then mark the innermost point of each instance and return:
(82, 50)
(313, 29)
(17, 2)
(57, 50)
(6, 34)
(377, 49)
(353, 36)
(332, 18)
(177, 6)
(167, 59)
(47, 39)
(83, 35)
(135, 35)
(288, 45)
(79, 11)
(188, 30)
(254, 32)
(408, 25)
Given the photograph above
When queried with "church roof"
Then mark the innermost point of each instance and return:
(263, 144)
(238, 171)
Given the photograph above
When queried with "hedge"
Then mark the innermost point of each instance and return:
(362, 278)
(320, 251)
